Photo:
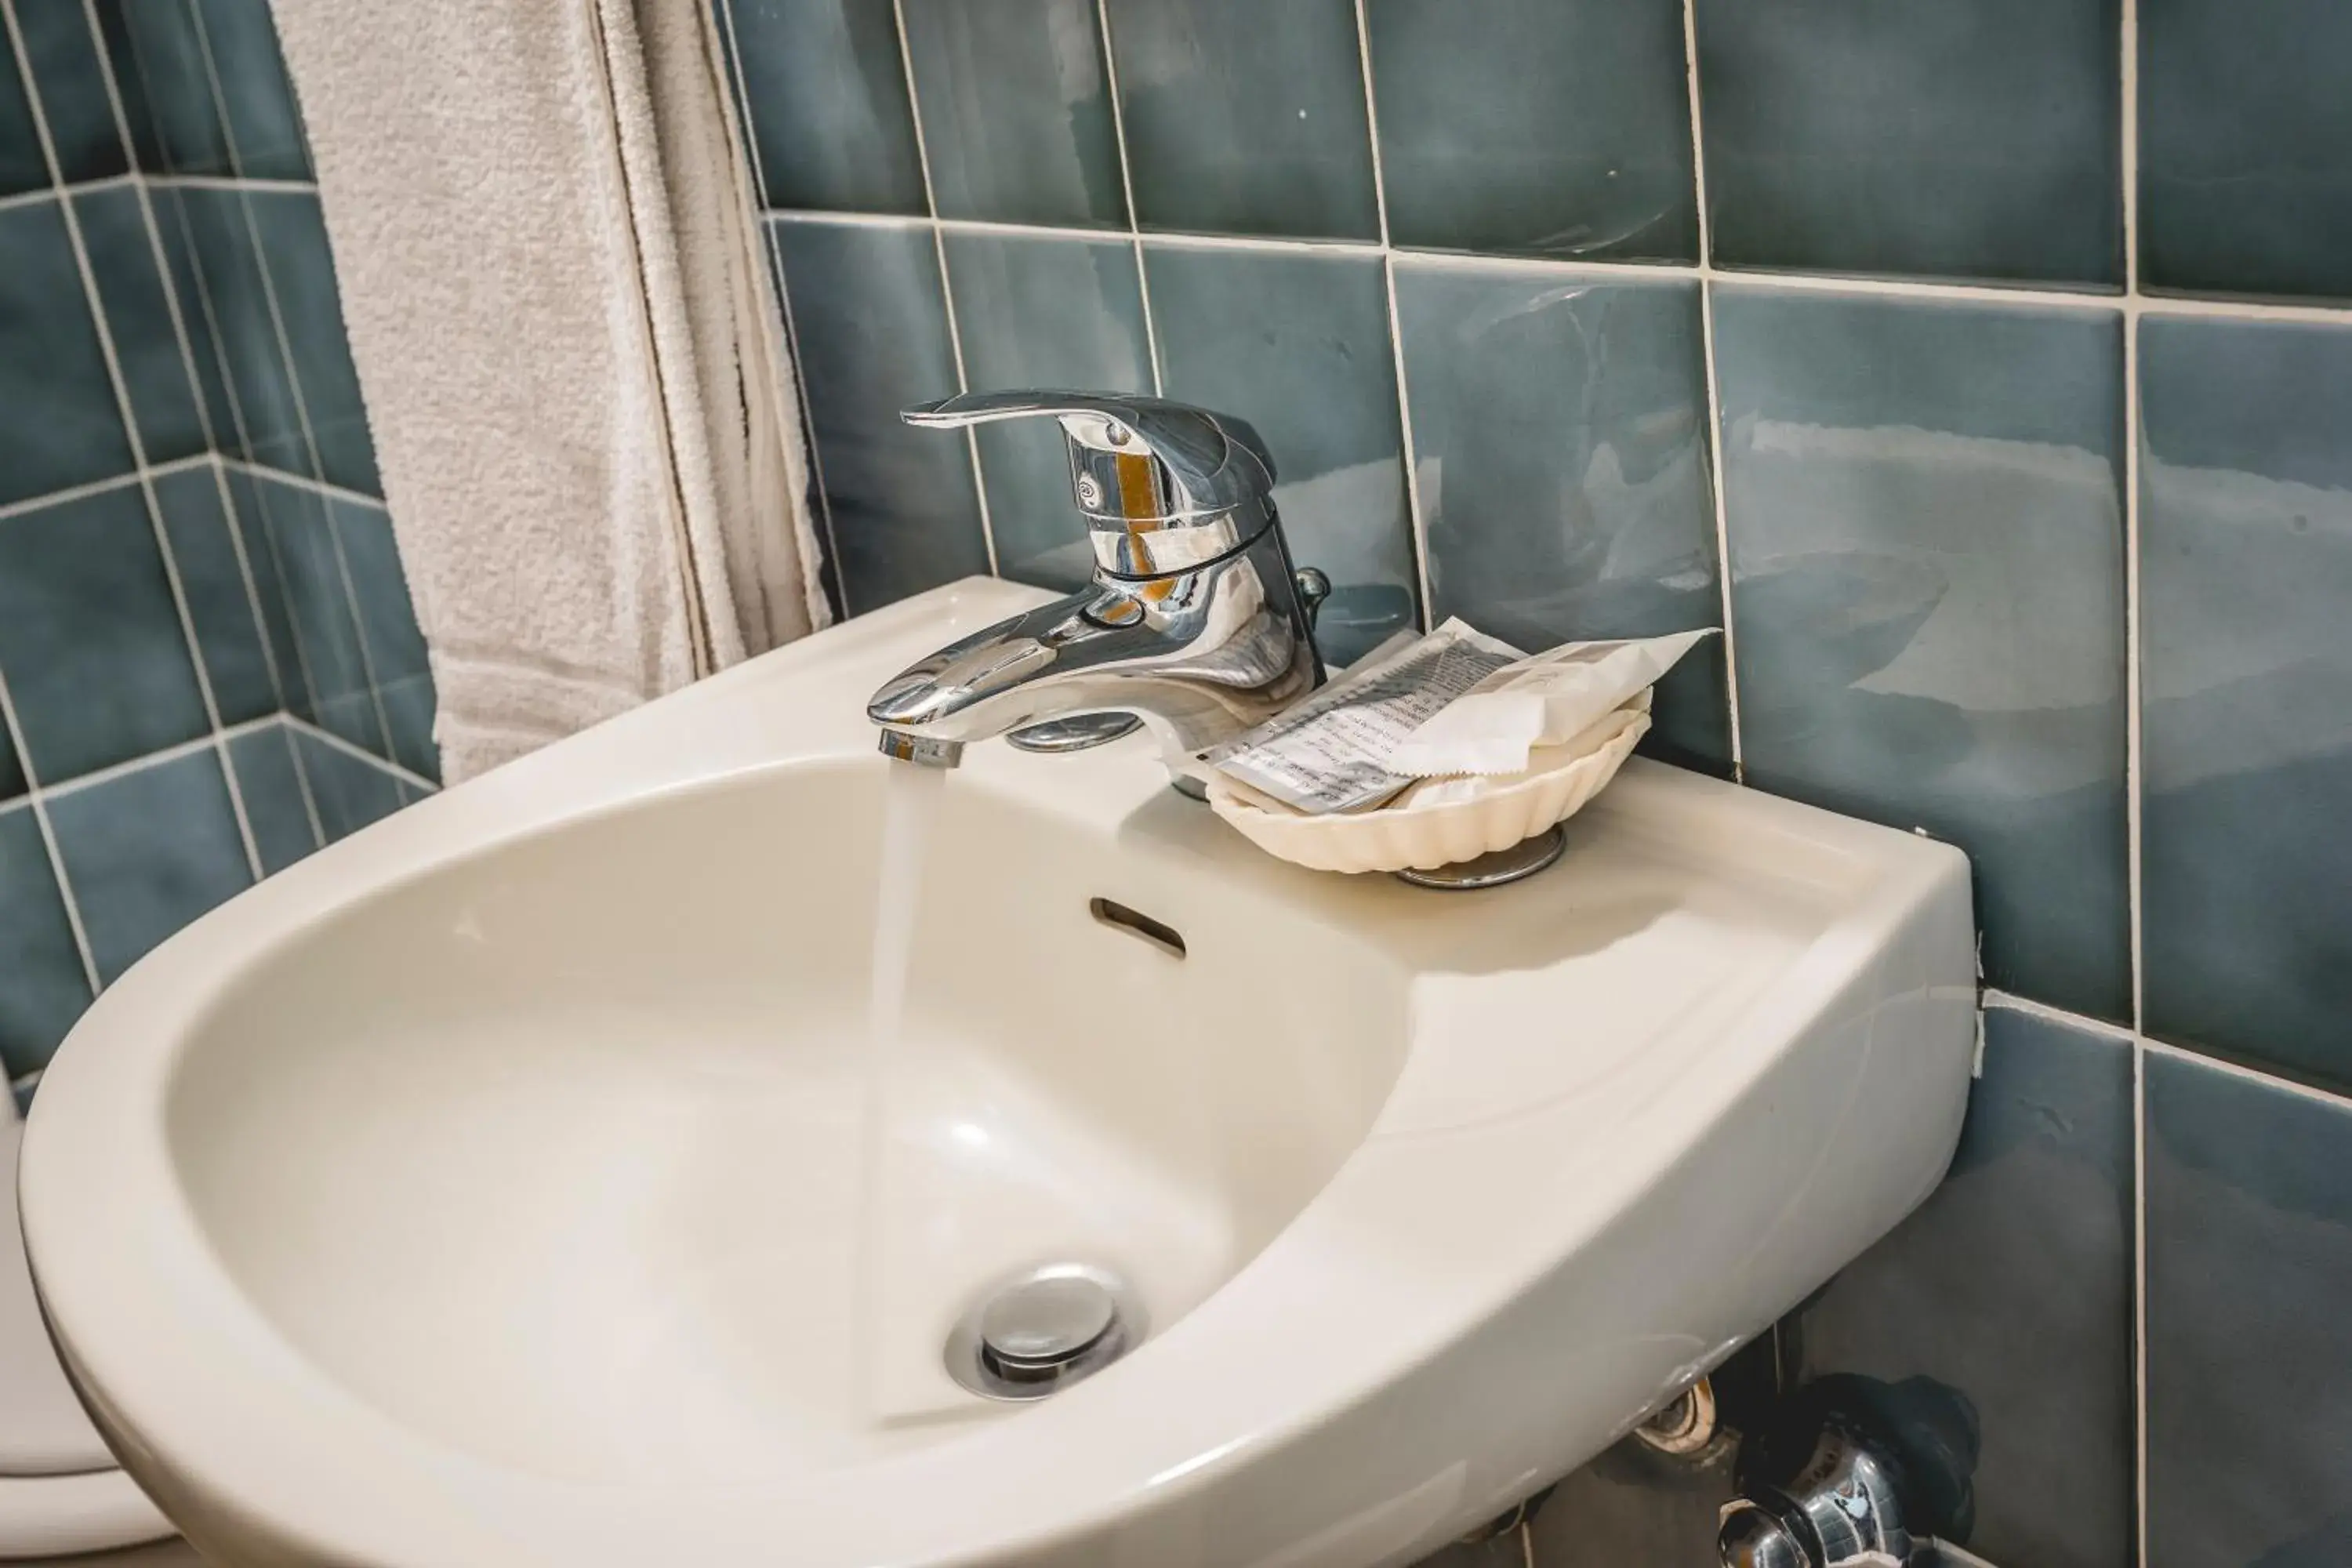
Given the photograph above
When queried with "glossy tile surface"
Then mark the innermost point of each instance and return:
(177, 85)
(2245, 147)
(12, 772)
(826, 92)
(1556, 127)
(873, 337)
(68, 66)
(47, 988)
(132, 291)
(90, 640)
(1914, 136)
(350, 791)
(220, 601)
(148, 851)
(301, 542)
(22, 166)
(249, 518)
(264, 125)
(1926, 522)
(1297, 344)
(269, 418)
(2246, 571)
(63, 428)
(1043, 313)
(1560, 438)
(1016, 110)
(122, 62)
(396, 648)
(1245, 118)
(2013, 1286)
(302, 278)
(271, 788)
(2249, 1347)
(196, 315)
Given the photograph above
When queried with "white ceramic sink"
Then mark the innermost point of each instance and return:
(486, 1189)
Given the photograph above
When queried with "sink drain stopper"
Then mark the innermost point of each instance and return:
(1044, 1330)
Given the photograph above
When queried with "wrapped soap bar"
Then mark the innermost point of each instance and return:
(1544, 699)
(1329, 753)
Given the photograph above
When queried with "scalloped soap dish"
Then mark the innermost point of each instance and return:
(1429, 828)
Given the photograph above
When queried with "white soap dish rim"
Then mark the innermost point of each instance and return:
(1414, 838)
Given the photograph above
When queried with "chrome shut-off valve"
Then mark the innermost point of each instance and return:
(1852, 1473)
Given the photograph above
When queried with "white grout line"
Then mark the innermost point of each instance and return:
(1717, 462)
(2127, 68)
(235, 182)
(328, 738)
(302, 782)
(177, 752)
(50, 192)
(303, 482)
(95, 488)
(2334, 1100)
(124, 411)
(1126, 192)
(1416, 520)
(2008, 1001)
(946, 284)
(741, 108)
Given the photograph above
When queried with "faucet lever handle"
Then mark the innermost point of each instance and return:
(1138, 465)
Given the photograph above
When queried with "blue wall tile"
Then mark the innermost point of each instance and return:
(148, 851)
(12, 772)
(1556, 127)
(350, 791)
(396, 655)
(47, 989)
(1247, 117)
(271, 788)
(827, 94)
(1560, 431)
(249, 517)
(177, 85)
(69, 73)
(122, 64)
(2245, 146)
(2012, 1284)
(872, 336)
(1043, 313)
(302, 543)
(1297, 344)
(303, 277)
(172, 227)
(2246, 573)
(409, 704)
(22, 165)
(1927, 568)
(220, 603)
(90, 640)
(1916, 136)
(63, 426)
(2249, 1346)
(270, 415)
(132, 291)
(1016, 110)
(264, 126)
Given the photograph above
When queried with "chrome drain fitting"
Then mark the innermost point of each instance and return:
(1055, 736)
(1041, 1331)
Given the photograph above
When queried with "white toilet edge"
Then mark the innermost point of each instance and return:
(51, 1516)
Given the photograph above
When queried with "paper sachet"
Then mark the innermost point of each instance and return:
(1329, 751)
(1544, 699)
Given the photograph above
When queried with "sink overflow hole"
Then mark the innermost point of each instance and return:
(1165, 938)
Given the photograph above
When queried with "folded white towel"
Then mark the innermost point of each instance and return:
(560, 308)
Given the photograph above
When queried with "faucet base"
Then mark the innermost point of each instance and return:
(1055, 736)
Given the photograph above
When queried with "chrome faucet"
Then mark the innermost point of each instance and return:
(1196, 621)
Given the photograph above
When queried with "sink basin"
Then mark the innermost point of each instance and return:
(511, 1182)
